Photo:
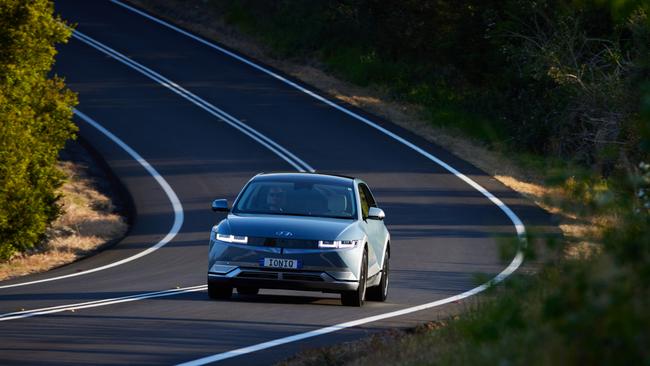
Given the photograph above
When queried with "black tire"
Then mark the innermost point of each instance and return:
(248, 290)
(380, 292)
(356, 298)
(221, 292)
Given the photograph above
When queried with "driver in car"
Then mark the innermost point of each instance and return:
(276, 198)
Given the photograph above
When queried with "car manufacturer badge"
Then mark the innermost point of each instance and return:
(286, 234)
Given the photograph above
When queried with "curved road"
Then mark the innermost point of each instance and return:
(176, 112)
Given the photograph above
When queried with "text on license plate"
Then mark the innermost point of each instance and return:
(281, 263)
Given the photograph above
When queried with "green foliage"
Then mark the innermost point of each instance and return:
(552, 77)
(583, 69)
(35, 122)
(574, 311)
(589, 311)
(579, 311)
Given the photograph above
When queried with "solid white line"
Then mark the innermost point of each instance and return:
(516, 221)
(277, 149)
(98, 303)
(354, 323)
(171, 195)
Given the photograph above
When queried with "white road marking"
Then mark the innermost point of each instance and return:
(171, 195)
(278, 150)
(97, 303)
(516, 221)
(354, 323)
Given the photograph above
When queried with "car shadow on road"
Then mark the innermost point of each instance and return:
(286, 299)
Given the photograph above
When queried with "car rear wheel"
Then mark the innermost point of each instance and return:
(216, 291)
(356, 298)
(248, 290)
(380, 292)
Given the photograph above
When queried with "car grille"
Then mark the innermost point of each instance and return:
(287, 276)
(283, 243)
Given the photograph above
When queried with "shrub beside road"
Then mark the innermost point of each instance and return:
(35, 122)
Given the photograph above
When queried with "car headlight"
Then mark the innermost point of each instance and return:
(232, 238)
(337, 244)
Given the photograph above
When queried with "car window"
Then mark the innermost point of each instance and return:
(368, 195)
(302, 198)
(364, 202)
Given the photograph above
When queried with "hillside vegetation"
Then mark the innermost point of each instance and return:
(35, 122)
(556, 78)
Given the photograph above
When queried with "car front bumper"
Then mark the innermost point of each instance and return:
(320, 270)
(281, 279)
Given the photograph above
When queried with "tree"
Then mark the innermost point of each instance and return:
(35, 121)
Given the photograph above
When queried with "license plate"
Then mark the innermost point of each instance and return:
(280, 263)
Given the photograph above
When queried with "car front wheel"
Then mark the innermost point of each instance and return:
(356, 298)
(380, 292)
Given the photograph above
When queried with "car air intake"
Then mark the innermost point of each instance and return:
(263, 275)
(302, 277)
(283, 243)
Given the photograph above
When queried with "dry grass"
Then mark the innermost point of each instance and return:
(346, 353)
(385, 347)
(88, 222)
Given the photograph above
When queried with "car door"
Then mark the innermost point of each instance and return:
(374, 229)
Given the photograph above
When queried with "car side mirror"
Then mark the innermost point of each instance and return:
(220, 205)
(376, 213)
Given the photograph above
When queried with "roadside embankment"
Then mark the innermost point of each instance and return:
(93, 217)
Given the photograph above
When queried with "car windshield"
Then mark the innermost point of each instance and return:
(302, 198)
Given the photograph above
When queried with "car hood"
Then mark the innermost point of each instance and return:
(289, 227)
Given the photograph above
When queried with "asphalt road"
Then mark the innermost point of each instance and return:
(444, 232)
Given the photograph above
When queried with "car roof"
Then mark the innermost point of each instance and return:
(311, 177)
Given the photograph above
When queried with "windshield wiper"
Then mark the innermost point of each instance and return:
(291, 214)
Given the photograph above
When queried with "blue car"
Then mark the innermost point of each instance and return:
(301, 231)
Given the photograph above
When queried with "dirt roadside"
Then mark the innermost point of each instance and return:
(94, 216)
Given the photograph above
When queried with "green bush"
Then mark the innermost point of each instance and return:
(35, 122)
(582, 69)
